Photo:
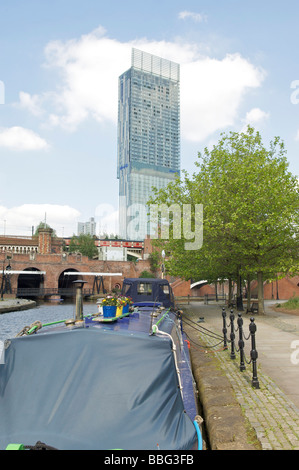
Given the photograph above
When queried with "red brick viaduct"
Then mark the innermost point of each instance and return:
(52, 263)
(45, 255)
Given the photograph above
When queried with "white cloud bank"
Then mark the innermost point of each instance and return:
(211, 89)
(61, 218)
(19, 139)
(19, 220)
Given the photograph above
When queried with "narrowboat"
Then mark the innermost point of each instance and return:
(100, 382)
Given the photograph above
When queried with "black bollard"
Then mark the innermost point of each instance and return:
(232, 335)
(224, 329)
(253, 354)
(241, 342)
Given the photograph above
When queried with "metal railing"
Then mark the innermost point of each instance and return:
(215, 297)
(223, 340)
(241, 343)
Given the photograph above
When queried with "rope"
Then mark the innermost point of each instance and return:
(207, 332)
(28, 330)
(39, 446)
(203, 347)
(199, 327)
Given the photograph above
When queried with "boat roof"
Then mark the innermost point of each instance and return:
(109, 384)
(152, 280)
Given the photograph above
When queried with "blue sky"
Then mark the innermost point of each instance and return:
(59, 68)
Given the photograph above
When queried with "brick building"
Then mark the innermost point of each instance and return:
(46, 261)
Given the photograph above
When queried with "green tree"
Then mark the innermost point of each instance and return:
(250, 212)
(146, 274)
(155, 262)
(83, 244)
(44, 225)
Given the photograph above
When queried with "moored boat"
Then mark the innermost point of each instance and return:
(92, 382)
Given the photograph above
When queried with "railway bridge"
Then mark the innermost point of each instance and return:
(49, 275)
(37, 266)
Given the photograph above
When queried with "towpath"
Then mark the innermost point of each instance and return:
(272, 410)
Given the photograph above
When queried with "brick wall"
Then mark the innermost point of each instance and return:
(55, 264)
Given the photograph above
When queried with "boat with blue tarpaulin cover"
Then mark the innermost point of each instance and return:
(92, 382)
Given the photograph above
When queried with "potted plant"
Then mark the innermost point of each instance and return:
(109, 304)
(128, 302)
(120, 306)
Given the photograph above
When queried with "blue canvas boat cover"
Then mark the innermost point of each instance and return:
(93, 389)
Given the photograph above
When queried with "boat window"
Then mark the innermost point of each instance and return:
(126, 287)
(144, 288)
(165, 289)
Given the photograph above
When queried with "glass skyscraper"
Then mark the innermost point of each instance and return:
(148, 136)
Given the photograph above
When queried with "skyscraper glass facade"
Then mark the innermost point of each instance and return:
(148, 136)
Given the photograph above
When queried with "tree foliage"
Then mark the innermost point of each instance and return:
(43, 225)
(84, 244)
(250, 211)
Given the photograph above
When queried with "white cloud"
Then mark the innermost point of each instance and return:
(106, 217)
(20, 219)
(211, 89)
(32, 103)
(19, 139)
(256, 117)
(198, 17)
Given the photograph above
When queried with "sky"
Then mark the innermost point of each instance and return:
(59, 68)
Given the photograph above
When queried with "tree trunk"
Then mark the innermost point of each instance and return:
(239, 293)
(260, 290)
(216, 291)
(248, 293)
(230, 290)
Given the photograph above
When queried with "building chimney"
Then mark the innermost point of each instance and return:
(45, 240)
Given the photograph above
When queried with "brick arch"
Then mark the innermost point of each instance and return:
(30, 280)
(54, 264)
(67, 281)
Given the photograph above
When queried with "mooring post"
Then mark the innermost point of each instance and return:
(253, 354)
(224, 329)
(241, 342)
(232, 335)
(79, 299)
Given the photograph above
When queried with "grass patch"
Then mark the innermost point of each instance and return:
(291, 304)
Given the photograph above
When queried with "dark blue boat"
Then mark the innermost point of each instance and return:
(96, 383)
(145, 290)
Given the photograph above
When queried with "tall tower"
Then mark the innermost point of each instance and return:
(148, 136)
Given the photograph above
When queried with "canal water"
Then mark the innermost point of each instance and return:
(12, 322)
